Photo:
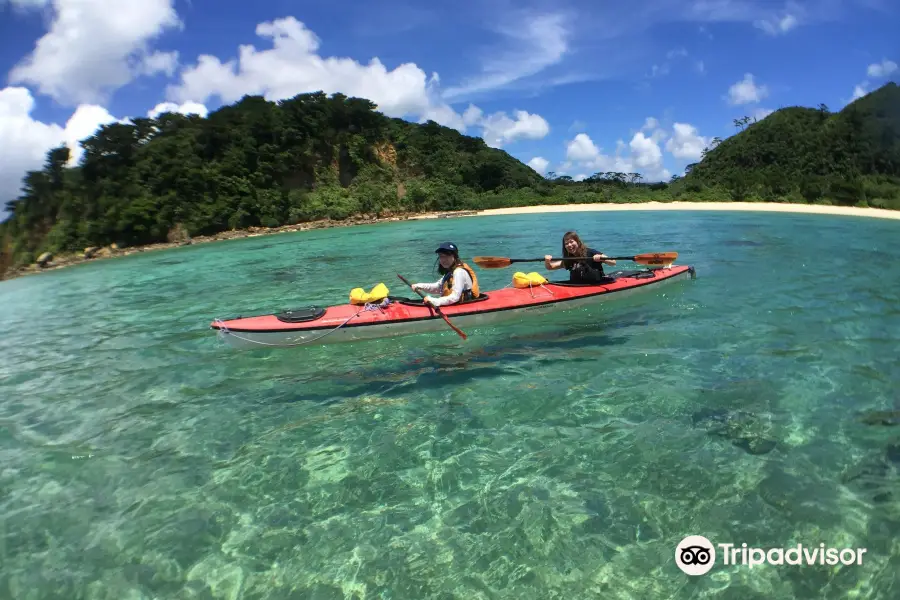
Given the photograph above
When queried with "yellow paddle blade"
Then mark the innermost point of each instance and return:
(492, 262)
(656, 258)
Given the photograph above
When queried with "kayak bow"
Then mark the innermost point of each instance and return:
(397, 316)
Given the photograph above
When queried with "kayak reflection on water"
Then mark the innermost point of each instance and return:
(590, 269)
(458, 282)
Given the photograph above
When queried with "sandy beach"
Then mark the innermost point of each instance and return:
(59, 262)
(819, 209)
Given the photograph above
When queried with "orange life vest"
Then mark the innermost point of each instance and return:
(446, 288)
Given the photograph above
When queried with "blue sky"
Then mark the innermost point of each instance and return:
(573, 87)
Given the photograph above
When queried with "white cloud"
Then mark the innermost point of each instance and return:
(686, 142)
(292, 66)
(534, 44)
(652, 124)
(644, 156)
(159, 62)
(26, 141)
(777, 26)
(882, 69)
(646, 152)
(500, 129)
(539, 164)
(582, 149)
(761, 113)
(472, 115)
(876, 71)
(701, 68)
(746, 91)
(95, 47)
(188, 108)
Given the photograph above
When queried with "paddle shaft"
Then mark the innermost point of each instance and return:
(434, 308)
(572, 258)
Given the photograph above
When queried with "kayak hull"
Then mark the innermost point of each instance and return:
(401, 316)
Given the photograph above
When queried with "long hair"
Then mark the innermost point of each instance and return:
(581, 251)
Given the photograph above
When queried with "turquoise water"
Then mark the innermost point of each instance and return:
(142, 458)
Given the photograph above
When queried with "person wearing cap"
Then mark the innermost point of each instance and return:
(458, 281)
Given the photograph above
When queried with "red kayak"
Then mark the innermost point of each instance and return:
(397, 316)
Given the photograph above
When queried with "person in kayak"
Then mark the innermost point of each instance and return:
(581, 271)
(458, 282)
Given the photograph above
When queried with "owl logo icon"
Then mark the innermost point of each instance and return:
(695, 555)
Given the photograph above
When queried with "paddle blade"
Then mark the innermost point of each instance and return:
(656, 258)
(492, 262)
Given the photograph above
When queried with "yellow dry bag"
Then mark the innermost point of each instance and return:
(521, 280)
(359, 295)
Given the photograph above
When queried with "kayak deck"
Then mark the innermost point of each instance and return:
(403, 310)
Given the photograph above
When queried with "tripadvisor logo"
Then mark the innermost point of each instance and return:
(696, 555)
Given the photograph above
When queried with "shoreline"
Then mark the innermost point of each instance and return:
(816, 209)
(68, 260)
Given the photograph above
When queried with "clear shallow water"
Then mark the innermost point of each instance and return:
(139, 458)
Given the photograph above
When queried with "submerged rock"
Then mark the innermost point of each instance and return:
(743, 429)
(875, 477)
(887, 418)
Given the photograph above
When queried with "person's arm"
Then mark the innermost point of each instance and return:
(429, 288)
(552, 265)
(599, 256)
(461, 282)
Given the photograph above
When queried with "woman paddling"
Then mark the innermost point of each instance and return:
(588, 270)
(458, 281)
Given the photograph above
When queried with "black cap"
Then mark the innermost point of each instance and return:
(448, 248)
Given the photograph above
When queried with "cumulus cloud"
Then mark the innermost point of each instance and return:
(94, 47)
(26, 140)
(883, 69)
(500, 129)
(293, 66)
(188, 108)
(686, 142)
(746, 91)
(582, 149)
(643, 155)
(539, 164)
(880, 70)
(290, 67)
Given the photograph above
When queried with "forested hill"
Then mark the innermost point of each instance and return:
(254, 163)
(811, 155)
(261, 163)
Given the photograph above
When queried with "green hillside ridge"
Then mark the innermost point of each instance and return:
(258, 163)
(797, 154)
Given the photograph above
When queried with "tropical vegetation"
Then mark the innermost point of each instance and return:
(258, 163)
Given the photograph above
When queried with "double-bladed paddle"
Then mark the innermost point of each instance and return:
(434, 308)
(650, 258)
